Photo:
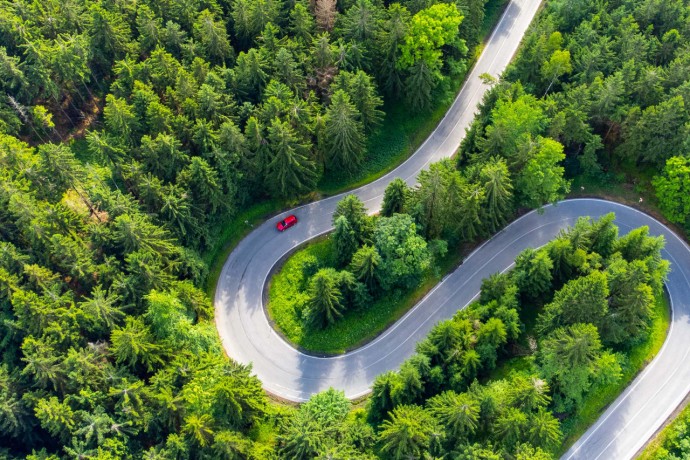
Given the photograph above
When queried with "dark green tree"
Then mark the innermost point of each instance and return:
(363, 95)
(290, 172)
(656, 133)
(573, 360)
(533, 273)
(407, 433)
(365, 266)
(498, 192)
(325, 301)
(213, 37)
(395, 197)
(584, 299)
(344, 239)
(343, 134)
(352, 208)
(458, 414)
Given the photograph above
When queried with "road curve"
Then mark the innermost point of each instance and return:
(242, 325)
(248, 337)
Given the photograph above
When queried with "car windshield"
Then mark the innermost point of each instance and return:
(283, 223)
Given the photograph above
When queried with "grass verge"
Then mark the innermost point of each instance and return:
(629, 186)
(658, 447)
(286, 301)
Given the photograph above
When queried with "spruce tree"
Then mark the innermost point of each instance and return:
(290, 172)
(344, 134)
(325, 301)
(394, 197)
(344, 239)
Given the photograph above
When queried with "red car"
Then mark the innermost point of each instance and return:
(288, 222)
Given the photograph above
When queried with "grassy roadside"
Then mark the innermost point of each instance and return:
(658, 447)
(400, 135)
(637, 358)
(629, 185)
(357, 327)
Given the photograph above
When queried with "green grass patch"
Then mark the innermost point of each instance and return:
(287, 301)
(508, 366)
(637, 358)
(628, 186)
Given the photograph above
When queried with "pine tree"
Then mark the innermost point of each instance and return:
(394, 197)
(344, 239)
(533, 273)
(544, 429)
(362, 91)
(302, 24)
(470, 223)
(419, 86)
(134, 344)
(407, 434)
(344, 135)
(498, 192)
(325, 301)
(431, 199)
(392, 35)
(353, 209)
(290, 172)
(365, 264)
(457, 413)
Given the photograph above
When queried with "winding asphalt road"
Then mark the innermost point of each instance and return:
(249, 338)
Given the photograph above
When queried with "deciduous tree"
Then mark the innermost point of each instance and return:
(673, 190)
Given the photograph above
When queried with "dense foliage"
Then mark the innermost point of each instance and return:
(208, 106)
(107, 346)
(592, 293)
(376, 256)
(127, 131)
(612, 82)
(675, 443)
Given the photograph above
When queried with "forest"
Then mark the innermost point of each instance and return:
(612, 81)
(127, 131)
(571, 311)
(130, 130)
(198, 109)
(673, 442)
